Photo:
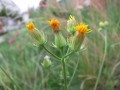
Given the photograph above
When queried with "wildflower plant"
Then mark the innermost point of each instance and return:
(78, 33)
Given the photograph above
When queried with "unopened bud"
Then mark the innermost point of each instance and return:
(70, 25)
(46, 62)
(106, 23)
(60, 41)
(77, 42)
(37, 36)
(103, 24)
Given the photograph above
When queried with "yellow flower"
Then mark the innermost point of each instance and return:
(78, 39)
(72, 18)
(37, 36)
(71, 21)
(82, 29)
(55, 24)
(70, 25)
(30, 26)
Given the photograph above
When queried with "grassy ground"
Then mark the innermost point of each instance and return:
(22, 60)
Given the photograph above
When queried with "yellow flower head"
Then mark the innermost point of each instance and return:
(30, 26)
(71, 21)
(55, 24)
(36, 35)
(82, 29)
(72, 18)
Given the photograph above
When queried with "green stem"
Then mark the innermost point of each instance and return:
(68, 54)
(64, 74)
(9, 77)
(73, 73)
(102, 64)
(71, 53)
(51, 53)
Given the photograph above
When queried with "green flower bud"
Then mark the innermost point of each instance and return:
(46, 62)
(77, 42)
(60, 41)
(101, 24)
(106, 23)
(71, 30)
(70, 25)
(37, 36)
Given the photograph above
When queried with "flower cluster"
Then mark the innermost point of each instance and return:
(77, 31)
(103, 25)
(67, 46)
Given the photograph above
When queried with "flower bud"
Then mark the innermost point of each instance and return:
(60, 41)
(37, 36)
(70, 25)
(55, 24)
(103, 24)
(82, 29)
(106, 23)
(77, 42)
(46, 62)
